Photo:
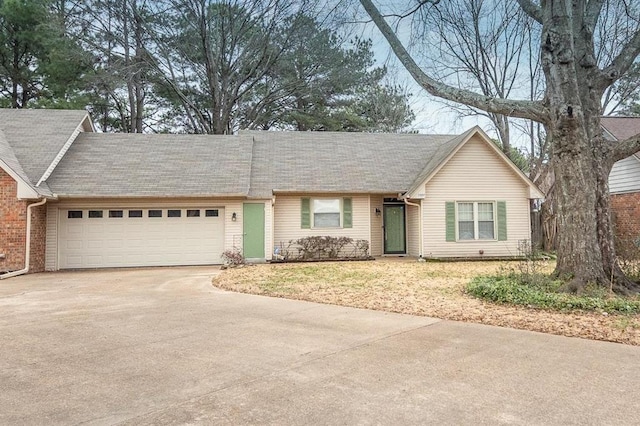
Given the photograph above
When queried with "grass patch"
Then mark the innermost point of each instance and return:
(543, 293)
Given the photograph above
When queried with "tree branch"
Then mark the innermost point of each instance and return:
(594, 7)
(523, 109)
(622, 62)
(531, 9)
(625, 148)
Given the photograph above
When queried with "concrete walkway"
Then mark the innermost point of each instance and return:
(162, 346)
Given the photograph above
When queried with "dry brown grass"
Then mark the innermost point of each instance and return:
(429, 289)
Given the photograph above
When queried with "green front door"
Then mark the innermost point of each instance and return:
(253, 224)
(394, 230)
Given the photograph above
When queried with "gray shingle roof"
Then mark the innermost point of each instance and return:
(153, 165)
(621, 127)
(253, 164)
(37, 135)
(342, 162)
(9, 158)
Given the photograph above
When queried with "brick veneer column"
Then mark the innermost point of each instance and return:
(13, 225)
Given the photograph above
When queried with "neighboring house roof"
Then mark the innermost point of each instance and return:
(333, 162)
(32, 141)
(621, 128)
(153, 165)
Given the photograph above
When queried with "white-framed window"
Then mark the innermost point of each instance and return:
(476, 220)
(326, 212)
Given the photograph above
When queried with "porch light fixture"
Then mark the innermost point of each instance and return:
(378, 212)
(234, 216)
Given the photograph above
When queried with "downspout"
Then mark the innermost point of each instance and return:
(419, 206)
(27, 257)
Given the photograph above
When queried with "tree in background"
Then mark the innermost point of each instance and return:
(575, 84)
(230, 65)
(322, 82)
(117, 33)
(630, 84)
(480, 45)
(198, 66)
(40, 65)
(210, 55)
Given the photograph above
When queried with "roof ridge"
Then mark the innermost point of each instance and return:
(62, 152)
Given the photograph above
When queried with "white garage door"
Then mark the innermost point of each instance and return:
(94, 238)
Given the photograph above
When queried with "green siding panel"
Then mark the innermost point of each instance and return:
(347, 213)
(502, 221)
(305, 213)
(450, 217)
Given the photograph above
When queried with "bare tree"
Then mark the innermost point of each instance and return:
(211, 54)
(117, 32)
(479, 45)
(570, 110)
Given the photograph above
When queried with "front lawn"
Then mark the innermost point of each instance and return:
(432, 289)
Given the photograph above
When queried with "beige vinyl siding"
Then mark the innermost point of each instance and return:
(268, 229)
(51, 247)
(413, 230)
(287, 224)
(376, 225)
(625, 176)
(475, 173)
(233, 230)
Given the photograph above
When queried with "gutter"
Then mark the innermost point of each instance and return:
(27, 256)
(419, 206)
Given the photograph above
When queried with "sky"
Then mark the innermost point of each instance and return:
(433, 115)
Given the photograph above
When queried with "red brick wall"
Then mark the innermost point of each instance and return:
(13, 225)
(625, 210)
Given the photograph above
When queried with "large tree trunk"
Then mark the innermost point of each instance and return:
(571, 113)
(586, 252)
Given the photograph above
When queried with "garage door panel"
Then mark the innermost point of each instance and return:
(140, 241)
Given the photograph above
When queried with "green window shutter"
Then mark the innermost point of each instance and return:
(502, 221)
(450, 215)
(305, 213)
(347, 213)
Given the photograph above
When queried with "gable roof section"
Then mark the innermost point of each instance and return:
(447, 152)
(154, 165)
(339, 162)
(37, 137)
(9, 163)
(621, 128)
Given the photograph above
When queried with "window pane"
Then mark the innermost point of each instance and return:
(211, 213)
(485, 230)
(465, 212)
(174, 213)
(115, 213)
(485, 211)
(155, 213)
(95, 213)
(193, 213)
(326, 220)
(326, 206)
(74, 214)
(465, 230)
(135, 213)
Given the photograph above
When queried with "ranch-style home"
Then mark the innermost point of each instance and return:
(73, 198)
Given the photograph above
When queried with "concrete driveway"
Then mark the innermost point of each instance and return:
(162, 346)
